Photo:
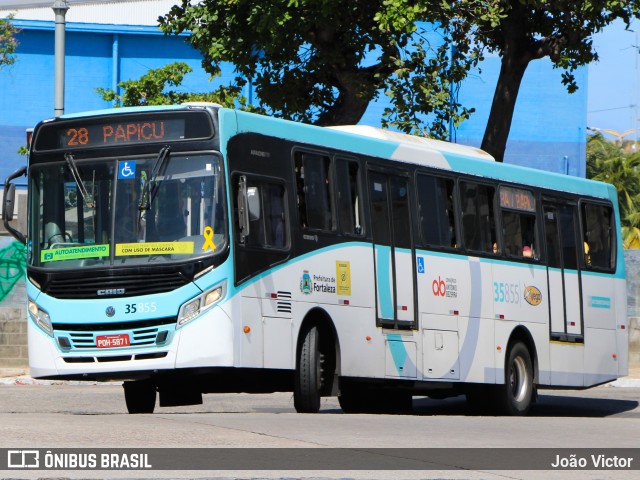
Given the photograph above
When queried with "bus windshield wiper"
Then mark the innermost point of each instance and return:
(87, 197)
(153, 185)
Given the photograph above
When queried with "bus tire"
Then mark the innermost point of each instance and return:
(308, 374)
(140, 396)
(517, 393)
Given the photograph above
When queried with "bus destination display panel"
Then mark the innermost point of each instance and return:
(122, 130)
(121, 133)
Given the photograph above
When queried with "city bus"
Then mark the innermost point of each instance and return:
(195, 249)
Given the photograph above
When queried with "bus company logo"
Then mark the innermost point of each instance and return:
(533, 296)
(305, 283)
(48, 256)
(110, 291)
(445, 288)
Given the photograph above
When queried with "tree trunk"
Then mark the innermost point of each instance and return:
(514, 64)
(348, 110)
(353, 100)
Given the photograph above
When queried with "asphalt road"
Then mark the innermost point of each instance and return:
(78, 416)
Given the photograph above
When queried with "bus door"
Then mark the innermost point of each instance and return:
(393, 250)
(563, 273)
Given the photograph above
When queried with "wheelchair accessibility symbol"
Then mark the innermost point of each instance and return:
(420, 264)
(126, 170)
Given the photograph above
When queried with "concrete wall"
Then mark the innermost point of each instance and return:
(13, 307)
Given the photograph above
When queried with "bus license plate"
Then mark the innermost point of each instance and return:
(113, 341)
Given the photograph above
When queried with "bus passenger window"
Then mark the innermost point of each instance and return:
(269, 229)
(437, 220)
(478, 219)
(348, 190)
(598, 236)
(519, 231)
(314, 199)
(567, 224)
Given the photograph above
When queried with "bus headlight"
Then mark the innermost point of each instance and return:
(201, 303)
(40, 317)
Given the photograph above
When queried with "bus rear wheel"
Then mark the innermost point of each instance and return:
(517, 393)
(308, 375)
(140, 396)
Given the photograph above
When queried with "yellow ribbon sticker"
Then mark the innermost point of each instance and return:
(208, 237)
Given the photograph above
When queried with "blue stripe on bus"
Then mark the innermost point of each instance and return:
(527, 176)
(383, 281)
(601, 302)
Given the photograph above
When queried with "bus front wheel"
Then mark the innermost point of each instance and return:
(517, 393)
(308, 375)
(140, 396)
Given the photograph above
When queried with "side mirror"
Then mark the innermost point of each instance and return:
(8, 205)
(253, 200)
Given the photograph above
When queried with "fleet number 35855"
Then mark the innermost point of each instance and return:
(143, 307)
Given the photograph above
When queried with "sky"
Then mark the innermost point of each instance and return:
(614, 81)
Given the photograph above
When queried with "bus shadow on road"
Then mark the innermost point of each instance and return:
(576, 406)
(556, 405)
(546, 406)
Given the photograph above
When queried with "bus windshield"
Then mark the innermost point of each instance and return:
(126, 211)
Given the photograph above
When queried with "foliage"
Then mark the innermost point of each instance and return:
(607, 162)
(324, 61)
(8, 42)
(521, 31)
(151, 89)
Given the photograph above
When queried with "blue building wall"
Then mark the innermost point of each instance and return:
(548, 127)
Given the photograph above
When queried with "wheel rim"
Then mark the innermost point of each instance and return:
(518, 379)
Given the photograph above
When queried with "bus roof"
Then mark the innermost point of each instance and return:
(377, 142)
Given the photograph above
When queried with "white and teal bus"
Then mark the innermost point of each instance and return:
(195, 249)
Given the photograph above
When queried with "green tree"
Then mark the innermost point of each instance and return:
(324, 61)
(607, 162)
(152, 89)
(521, 31)
(8, 42)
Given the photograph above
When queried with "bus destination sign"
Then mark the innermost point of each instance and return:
(121, 133)
(517, 199)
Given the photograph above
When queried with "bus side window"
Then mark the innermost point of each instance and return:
(437, 214)
(519, 230)
(314, 198)
(348, 190)
(269, 228)
(478, 219)
(598, 236)
(568, 232)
